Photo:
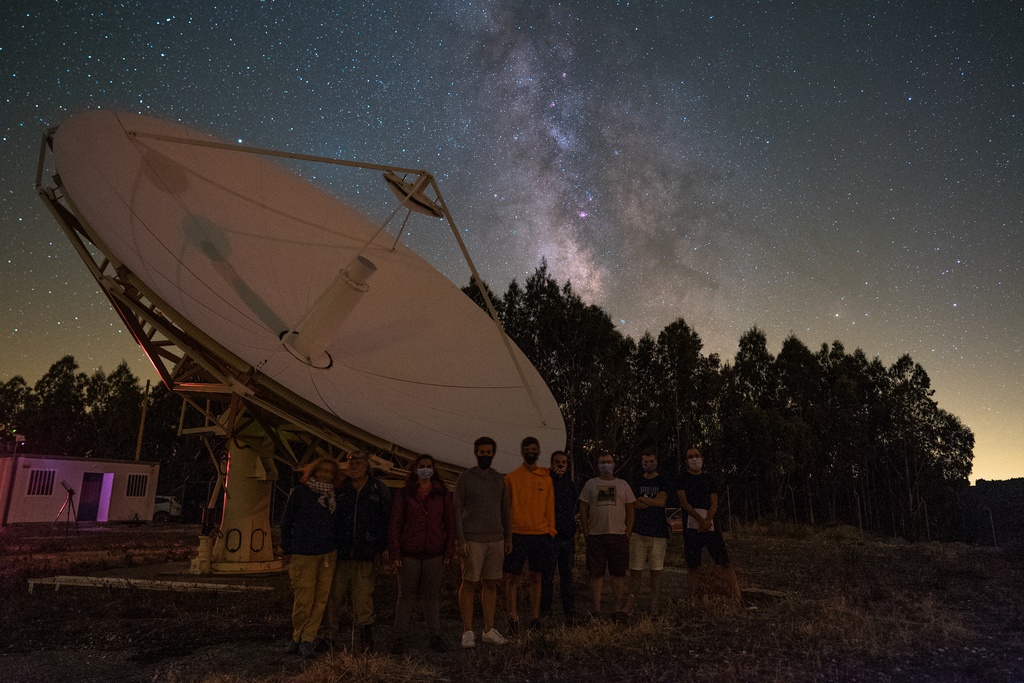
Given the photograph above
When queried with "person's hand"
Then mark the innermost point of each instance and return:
(397, 563)
(464, 548)
(704, 525)
(508, 546)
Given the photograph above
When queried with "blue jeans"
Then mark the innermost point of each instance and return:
(565, 557)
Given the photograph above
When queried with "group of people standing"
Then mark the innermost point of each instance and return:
(339, 527)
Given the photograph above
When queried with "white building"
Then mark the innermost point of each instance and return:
(34, 487)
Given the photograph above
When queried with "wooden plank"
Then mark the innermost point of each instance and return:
(144, 584)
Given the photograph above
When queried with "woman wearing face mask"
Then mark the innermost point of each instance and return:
(421, 543)
(699, 498)
(309, 543)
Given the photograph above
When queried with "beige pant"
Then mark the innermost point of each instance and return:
(647, 552)
(352, 581)
(311, 577)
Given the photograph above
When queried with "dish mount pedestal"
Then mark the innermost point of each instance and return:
(244, 544)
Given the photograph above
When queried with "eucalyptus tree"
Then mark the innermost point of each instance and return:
(114, 406)
(800, 404)
(650, 425)
(908, 439)
(58, 422)
(755, 434)
(16, 401)
(679, 348)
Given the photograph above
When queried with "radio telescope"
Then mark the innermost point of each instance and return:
(292, 322)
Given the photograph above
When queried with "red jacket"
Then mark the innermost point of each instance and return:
(424, 529)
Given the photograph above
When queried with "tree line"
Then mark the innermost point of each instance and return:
(814, 436)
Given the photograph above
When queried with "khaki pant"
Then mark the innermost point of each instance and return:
(311, 577)
(352, 581)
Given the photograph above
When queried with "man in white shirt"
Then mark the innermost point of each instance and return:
(606, 513)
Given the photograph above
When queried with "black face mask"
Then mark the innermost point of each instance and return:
(530, 458)
(484, 461)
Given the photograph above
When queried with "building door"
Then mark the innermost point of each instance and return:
(89, 499)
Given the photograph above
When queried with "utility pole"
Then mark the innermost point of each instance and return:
(142, 423)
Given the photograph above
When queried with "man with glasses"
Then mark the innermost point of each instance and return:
(364, 508)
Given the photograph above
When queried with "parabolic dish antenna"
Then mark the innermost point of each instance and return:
(274, 276)
(283, 315)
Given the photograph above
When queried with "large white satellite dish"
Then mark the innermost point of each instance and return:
(298, 305)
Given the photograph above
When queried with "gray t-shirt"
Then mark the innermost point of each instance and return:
(607, 500)
(481, 506)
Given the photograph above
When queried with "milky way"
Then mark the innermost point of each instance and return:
(850, 173)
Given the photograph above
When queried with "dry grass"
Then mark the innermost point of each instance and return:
(833, 605)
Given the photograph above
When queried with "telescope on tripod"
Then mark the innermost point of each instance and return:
(67, 510)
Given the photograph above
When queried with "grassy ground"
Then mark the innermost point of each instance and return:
(832, 605)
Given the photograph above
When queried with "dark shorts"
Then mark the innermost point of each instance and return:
(695, 541)
(537, 550)
(607, 552)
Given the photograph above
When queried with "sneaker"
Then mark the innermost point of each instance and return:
(469, 639)
(292, 649)
(398, 646)
(570, 619)
(306, 650)
(513, 627)
(492, 637)
(320, 645)
(437, 645)
(620, 617)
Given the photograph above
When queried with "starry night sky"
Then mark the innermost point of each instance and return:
(849, 172)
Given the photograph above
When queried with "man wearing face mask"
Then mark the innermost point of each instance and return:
(699, 499)
(606, 512)
(566, 498)
(531, 500)
(484, 533)
(650, 530)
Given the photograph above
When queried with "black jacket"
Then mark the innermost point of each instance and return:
(363, 520)
(566, 501)
(307, 528)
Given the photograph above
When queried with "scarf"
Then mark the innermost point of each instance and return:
(326, 492)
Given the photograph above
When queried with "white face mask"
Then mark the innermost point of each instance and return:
(425, 472)
(695, 464)
(605, 468)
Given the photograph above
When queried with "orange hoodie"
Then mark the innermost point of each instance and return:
(531, 497)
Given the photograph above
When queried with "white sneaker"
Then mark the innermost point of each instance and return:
(468, 639)
(492, 637)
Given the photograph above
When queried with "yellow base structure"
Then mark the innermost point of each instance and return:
(243, 544)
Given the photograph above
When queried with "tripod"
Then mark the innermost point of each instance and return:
(70, 514)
